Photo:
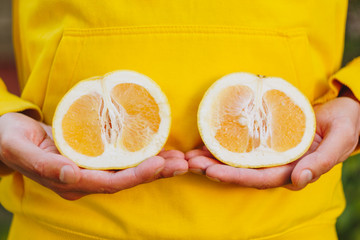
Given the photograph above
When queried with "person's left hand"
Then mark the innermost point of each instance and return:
(337, 135)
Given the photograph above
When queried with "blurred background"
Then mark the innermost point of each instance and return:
(348, 225)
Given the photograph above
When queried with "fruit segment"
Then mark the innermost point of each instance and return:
(141, 115)
(287, 121)
(230, 118)
(81, 125)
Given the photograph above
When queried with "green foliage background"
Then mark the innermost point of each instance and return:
(348, 225)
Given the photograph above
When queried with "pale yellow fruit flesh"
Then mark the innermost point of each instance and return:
(230, 133)
(142, 115)
(241, 126)
(81, 126)
(287, 121)
(87, 123)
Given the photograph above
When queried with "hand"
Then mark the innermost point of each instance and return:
(27, 147)
(337, 135)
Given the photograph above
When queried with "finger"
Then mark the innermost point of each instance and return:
(174, 167)
(48, 145)
(198, 152)
(172, 154)
(292, 187)
(315, 144)
(335, 148)
(95, 181)
(199, 164)
(254, 178)
(47, 129)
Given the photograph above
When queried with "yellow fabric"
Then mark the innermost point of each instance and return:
(43, 231)
(348, 76)
(184, 45)
(12, 103)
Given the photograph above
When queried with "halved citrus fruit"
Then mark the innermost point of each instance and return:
(112, 122)
(247, 120)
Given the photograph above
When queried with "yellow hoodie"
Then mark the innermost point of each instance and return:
(184, 45)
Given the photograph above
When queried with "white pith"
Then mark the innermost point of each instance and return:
(261, 156)
(115, 156)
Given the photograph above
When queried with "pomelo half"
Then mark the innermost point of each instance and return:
(247, 120)
(112, 122)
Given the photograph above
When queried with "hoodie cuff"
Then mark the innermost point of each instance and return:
(348, 76)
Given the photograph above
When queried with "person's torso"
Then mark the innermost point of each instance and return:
(183, 45)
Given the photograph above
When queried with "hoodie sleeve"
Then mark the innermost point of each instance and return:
(12, 103)
(348, 76)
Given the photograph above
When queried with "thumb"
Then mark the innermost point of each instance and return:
(335, 147)
(69, 172)
(56, 167)
(37, 164)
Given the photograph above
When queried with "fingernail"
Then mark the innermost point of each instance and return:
(197, 171)
(178, 173)
(305, 177)
(67, 174)
(213, 179)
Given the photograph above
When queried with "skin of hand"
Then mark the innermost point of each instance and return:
(337, 135)
(26, 146)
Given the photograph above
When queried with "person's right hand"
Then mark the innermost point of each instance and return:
(26, 146)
